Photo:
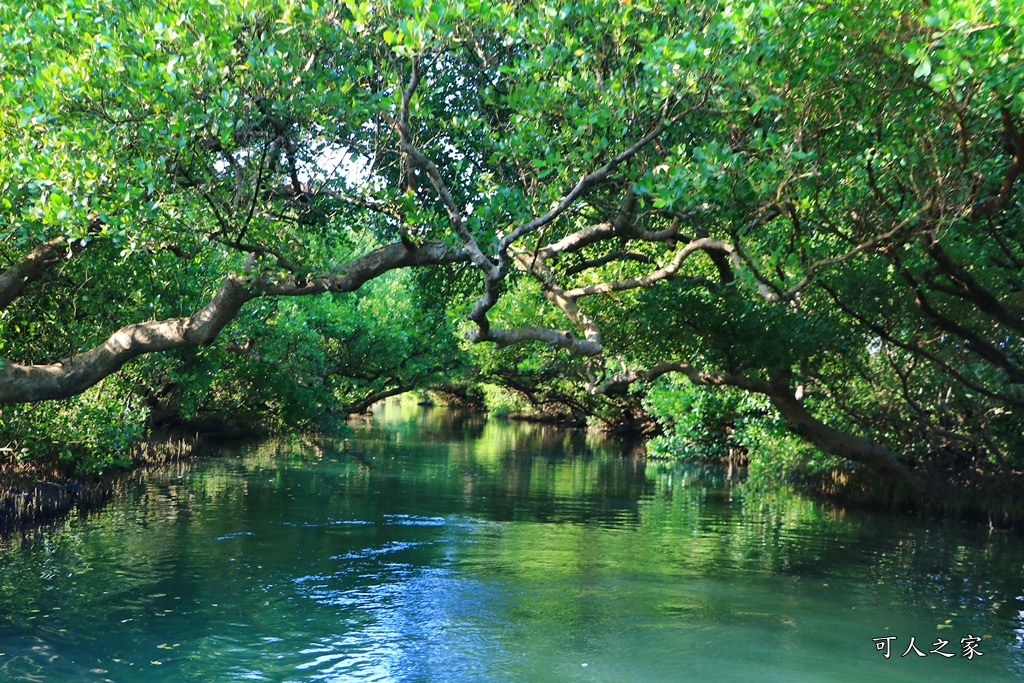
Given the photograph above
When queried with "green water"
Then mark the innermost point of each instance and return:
(433, 548)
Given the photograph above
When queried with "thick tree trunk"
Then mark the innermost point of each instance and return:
(836, 442)
(799, 420)
(72, 376)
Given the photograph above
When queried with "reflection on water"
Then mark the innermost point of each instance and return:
(437, 547)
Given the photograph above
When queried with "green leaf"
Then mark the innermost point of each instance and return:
(924, 69)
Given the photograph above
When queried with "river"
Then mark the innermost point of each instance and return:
(433, 547)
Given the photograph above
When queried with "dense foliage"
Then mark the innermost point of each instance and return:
(810, 208)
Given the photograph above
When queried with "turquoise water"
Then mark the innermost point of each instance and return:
(429, 547)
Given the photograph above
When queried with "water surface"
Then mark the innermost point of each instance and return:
(429, 547)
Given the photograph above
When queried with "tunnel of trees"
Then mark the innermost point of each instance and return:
(787, 229)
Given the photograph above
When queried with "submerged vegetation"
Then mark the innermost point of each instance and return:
(781, 233)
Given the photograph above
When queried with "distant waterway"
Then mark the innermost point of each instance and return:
(430, 546)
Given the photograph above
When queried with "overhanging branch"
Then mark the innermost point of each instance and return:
(798, 418)
(72, 376)
(556, 338)
(31, 267)
(999, 201)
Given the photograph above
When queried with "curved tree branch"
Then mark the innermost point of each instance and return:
(774, 293)
(886, 335)
(801, 422)
(704, 243)
(584, 183)
(973, 341)
(16, 276)
(72, 376)
(970, 289)
(798, 418)
(556, 338)
(606, 259)
(999, 201)
(494, 270)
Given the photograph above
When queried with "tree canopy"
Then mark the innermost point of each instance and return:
(810, 206)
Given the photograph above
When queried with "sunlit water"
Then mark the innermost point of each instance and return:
(432, 548)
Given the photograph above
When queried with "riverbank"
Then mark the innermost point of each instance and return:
(38, 492)
(995, 501)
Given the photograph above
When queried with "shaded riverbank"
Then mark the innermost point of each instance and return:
(37, 492)
(33, 493)
(992, 501)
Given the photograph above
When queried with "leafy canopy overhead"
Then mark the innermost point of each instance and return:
(811, 203)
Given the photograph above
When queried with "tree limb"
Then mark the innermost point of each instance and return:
(886, 335)
(582, 186)
(556, 338)
(998, 201)
(972, 290)
(72, 376)
(705, 243)
(798, 419)
(606, 259)
(455, 218)
(16, 276)
(305, 189)
(973, 341)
